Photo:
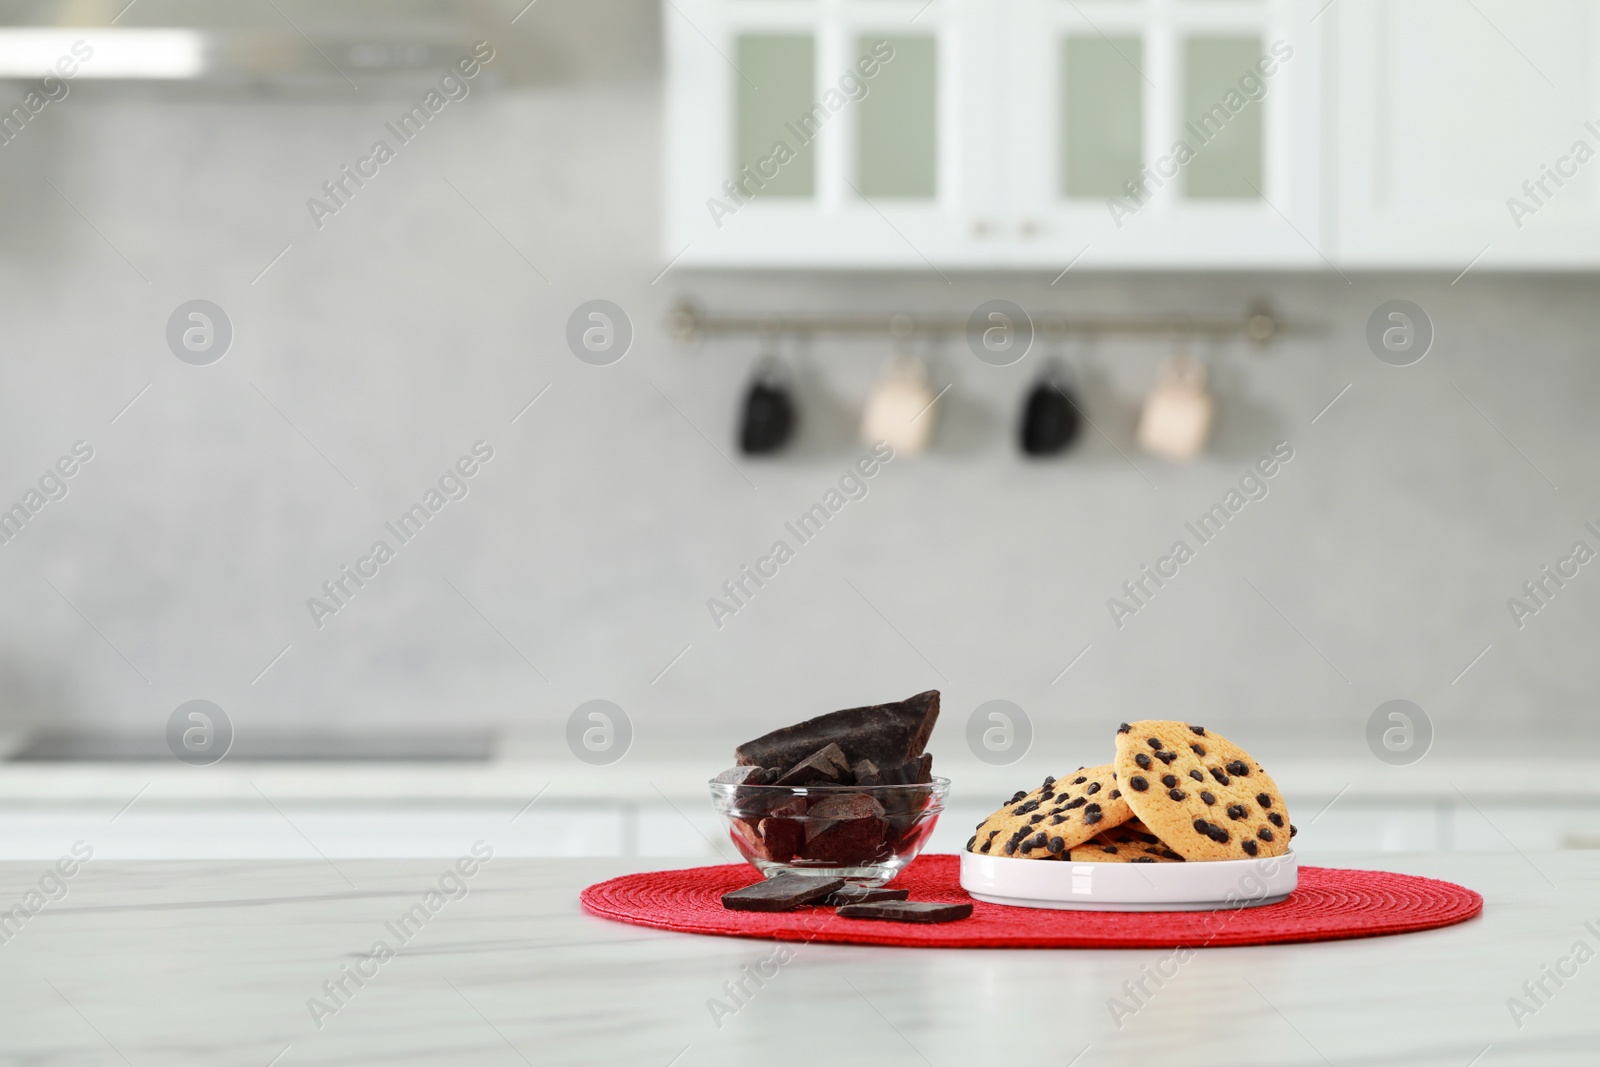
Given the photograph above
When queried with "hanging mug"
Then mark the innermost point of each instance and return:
(1178, 413)
(767, 418)
(900, 407)
(1050, 415)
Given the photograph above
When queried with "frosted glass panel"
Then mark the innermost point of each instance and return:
(1224, 122)
(777, 87)
(1102, 124)
(897, 138)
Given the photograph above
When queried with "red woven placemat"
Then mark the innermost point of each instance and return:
(1330, 904)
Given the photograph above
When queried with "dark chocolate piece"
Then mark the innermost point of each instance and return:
(887, 734)
(866, 773)
(781, 837)
(783, 892)
(746, 776)
(907, 911)
(847, 828)
(826, 766)
(860, 894)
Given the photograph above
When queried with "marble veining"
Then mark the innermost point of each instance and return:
(179, 963)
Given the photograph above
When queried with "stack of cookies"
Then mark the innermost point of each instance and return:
(1174, 792)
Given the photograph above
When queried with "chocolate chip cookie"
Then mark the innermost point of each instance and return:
(1132, 842)
(1063, 812)
(1200, 793)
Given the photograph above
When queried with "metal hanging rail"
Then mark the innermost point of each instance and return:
(687, 321)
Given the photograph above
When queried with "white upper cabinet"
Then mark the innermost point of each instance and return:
(1160, 133)
(826, 132)
(1467, 132)
(972, 133)
(1043, 134)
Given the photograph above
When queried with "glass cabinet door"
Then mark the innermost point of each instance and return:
(823, 131)
(1163, 132)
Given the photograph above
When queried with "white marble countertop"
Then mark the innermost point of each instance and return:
(183, 963)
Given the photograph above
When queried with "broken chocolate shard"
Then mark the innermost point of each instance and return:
(781, 837)
(860, 894)
(913, 772)
(907, 911)
(783, 892)
(866, 773)
(887, 734)
(825, 766)
(846, 829)
(841, 807)
(746, 776)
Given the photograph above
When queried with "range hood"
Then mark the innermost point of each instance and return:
(274, 45)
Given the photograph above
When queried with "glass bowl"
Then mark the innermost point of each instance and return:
(865, 834)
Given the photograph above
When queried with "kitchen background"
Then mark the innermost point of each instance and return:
(427, 314)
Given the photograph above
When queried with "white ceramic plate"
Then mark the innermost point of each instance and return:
(1129, 886)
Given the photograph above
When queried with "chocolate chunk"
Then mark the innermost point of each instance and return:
(1109, 849)
(1115, 793)
(781, 837)
(1038, 840)
(1264, 799)
(1091, 814)
(860, 894)
(1142, 760)
(1038, 818)
(1079, 780)
(1169, 780)
(1239, 767)
(1138, 783)
(1141, 859)
(1023, 809)
(1149, 839)
(1171, 855)
(1202, 827)
(746, 776)
(1049, 780)
(1176, 794)
(1222, 779)
(985, 847)
(1201, 730)
(1275, 819)
(782, 892)
(887, 734)
(1206, 795)
(1018, 795)
(1094, 787)
(1155, 743)
(847, 828)
(1264, 834)
(1078, 803)
(1219, 835)
(1250, 847)
(1166, 757)
(1057, 820)
(1198, 750)
(1237, 811)
(973, 840)
(1124, 728)
(907, 911)
(913, 772)
(1057, 844)
(866, 773)
(1292, 830)
(825, 766)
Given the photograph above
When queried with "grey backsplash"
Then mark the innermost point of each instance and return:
(416, 322)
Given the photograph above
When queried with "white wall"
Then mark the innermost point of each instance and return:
(408, 328)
